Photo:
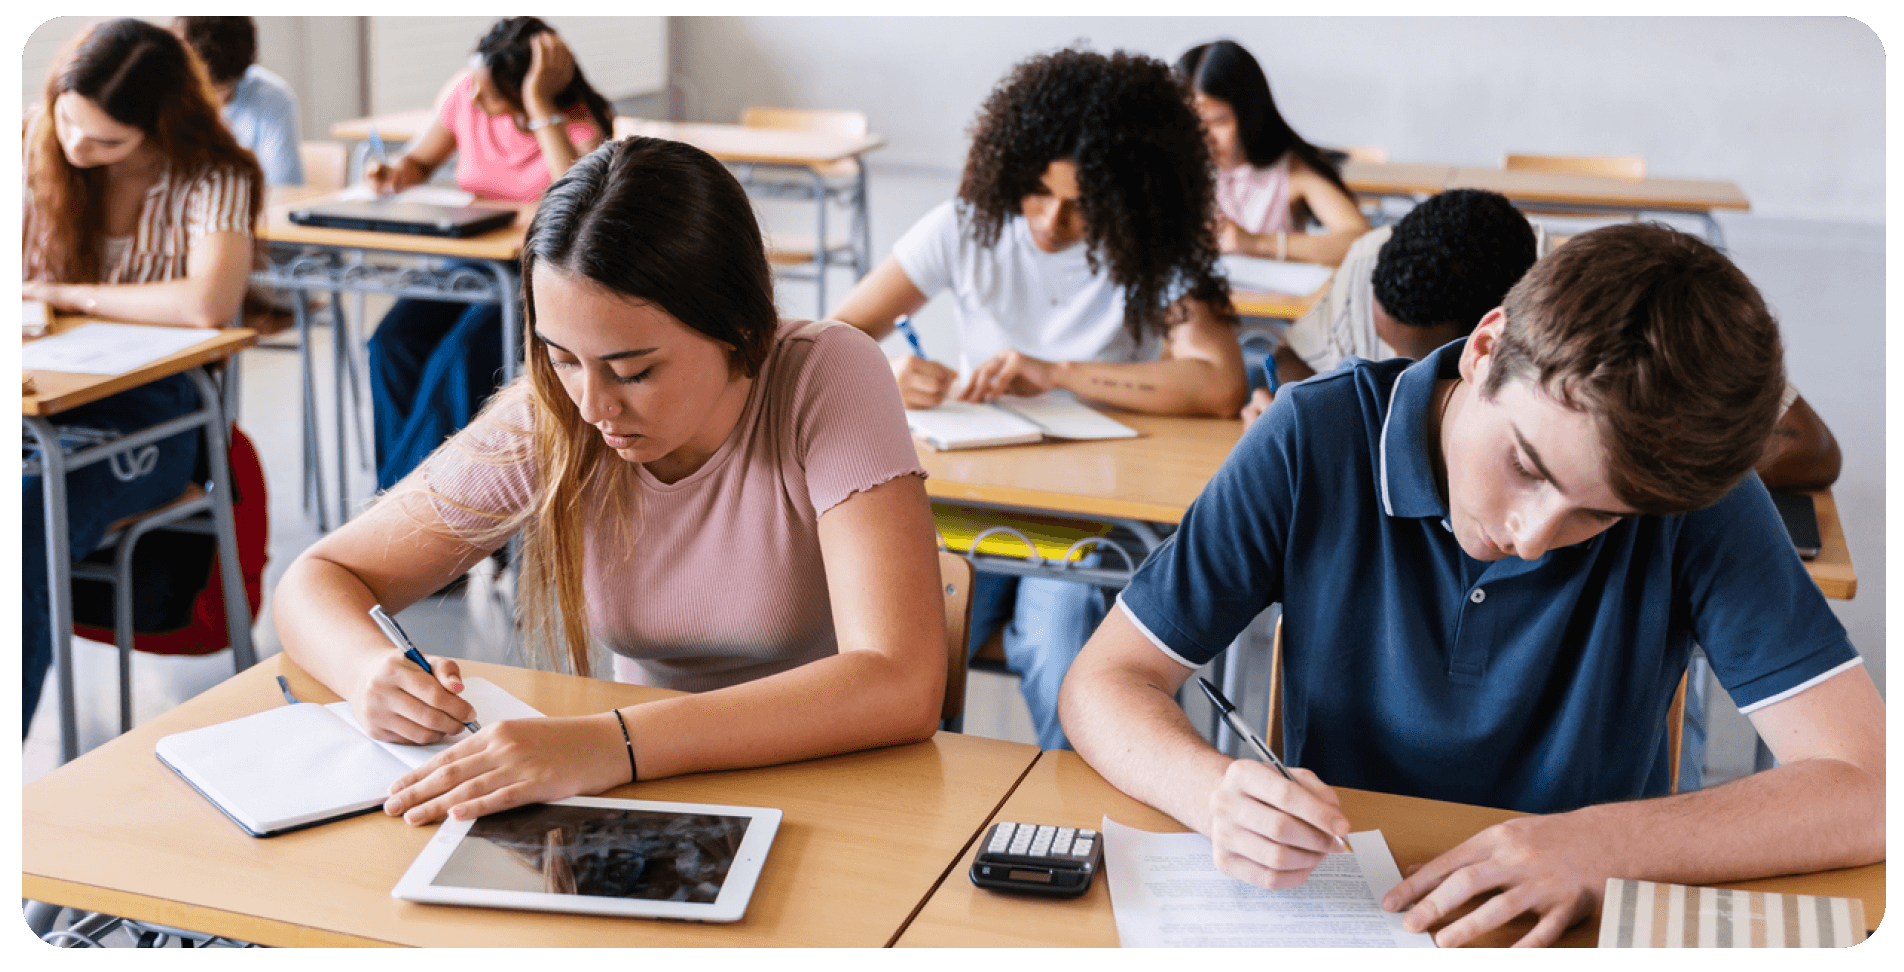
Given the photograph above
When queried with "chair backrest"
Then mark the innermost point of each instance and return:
(829, 121)
(955, 584)
(325, 164)
(1610, 166)
(1675, 713)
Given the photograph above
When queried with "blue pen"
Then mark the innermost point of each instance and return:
(904, 324)
(390, 630)
(376, 145)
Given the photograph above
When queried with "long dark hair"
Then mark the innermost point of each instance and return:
(143, 77)
(1143, 172)
(655, 221)
(506, 54)
(1225, 71)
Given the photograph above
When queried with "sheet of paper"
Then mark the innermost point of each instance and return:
(1283, 277)
(99, 348)
(1167, 893)
(433, 195)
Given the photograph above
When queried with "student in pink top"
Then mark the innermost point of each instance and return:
(1270, 183)
(516, 118)
(729, 503)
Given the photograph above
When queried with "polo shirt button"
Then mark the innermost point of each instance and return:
(1477, 596)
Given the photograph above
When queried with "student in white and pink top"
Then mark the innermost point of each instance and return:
(1269, 182)
(729, 503)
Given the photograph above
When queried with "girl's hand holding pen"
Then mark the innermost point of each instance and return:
(922, 383)
(401, 703)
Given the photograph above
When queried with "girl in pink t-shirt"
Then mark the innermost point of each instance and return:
(731, 504)
(519, 116)
(1269, 182)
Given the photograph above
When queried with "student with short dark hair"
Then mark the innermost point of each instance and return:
(259, 106)
(1409, 288)
(1270, 182)
(1493, 565)
(728, 502)
(1080, 256)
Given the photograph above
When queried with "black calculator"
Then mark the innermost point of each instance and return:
(1040, 859)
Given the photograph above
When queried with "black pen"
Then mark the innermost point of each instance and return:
(1241, 728)
(388, 625)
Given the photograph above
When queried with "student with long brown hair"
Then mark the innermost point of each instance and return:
(139, 206)
(728, 502)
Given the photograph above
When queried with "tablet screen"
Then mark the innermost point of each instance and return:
(597, 851)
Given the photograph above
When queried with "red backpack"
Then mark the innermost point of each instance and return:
(178, 604)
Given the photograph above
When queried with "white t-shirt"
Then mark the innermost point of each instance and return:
(1342, 323)
(1014, 295)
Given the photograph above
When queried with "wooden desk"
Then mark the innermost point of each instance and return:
(58, 391)
(1396, 178)
(1270, 303)
(1638, 195)
(55, 392)
(1832, 567)
(1151, 478)
(1062, 790)
(864, 839)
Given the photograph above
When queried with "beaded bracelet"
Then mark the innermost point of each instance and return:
(633, 773)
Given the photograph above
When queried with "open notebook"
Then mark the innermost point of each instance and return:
(299, 765)
(1013, 420)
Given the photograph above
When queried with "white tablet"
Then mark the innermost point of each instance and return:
(635, 858)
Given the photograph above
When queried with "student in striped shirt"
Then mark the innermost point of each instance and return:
(140, 207)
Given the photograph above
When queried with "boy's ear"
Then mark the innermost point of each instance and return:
(1478, 355)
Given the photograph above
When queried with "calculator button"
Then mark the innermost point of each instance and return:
(1041, 844)
(1087, 834)
(1001, 837)
(1081, 849)
(1062, 843)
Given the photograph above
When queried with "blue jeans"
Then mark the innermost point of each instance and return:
(432, 365)
(96, 497)
(1046, 624)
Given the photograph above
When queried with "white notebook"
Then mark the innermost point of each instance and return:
(1283, 277)
(1013, 420)
(293, 766)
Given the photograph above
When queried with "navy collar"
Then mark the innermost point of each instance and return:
(1405, 472)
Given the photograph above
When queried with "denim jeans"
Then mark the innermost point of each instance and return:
(97, 496)
(1046, 623)
(432, 365)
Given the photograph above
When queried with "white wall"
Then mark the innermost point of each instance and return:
(1792, 109)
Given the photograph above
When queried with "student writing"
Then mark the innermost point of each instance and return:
(1079, 256)
(139, 206)
(1270, 182)
(517, 117)
(729, 503)
(1493, 564)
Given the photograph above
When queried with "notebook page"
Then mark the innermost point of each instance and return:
(493, 704)
(282, 767)
(966, 425)
(1064, 417)
(1256, 273)
(99, 348)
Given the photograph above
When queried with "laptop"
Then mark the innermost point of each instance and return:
(404, 216)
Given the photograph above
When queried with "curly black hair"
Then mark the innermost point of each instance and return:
(1452, 259)
(1144, 173)
(506, 53)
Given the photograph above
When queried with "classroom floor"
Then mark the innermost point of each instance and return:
(1824, 280)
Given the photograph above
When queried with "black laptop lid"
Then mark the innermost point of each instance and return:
(401, 216)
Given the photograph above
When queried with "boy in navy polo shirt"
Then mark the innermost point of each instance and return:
(1493, 564)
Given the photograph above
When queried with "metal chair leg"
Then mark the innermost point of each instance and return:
(231, 575)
